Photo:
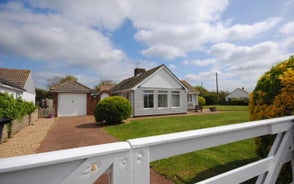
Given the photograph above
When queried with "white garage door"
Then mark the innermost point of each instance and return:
(72, 104)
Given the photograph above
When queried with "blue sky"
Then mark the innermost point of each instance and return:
(98, 40)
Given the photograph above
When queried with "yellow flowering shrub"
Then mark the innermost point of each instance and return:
(273, 97)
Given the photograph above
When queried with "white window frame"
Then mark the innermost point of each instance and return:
(149, 100)
(176, 94)
(162, 93)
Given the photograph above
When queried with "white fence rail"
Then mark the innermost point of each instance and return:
(128, 162)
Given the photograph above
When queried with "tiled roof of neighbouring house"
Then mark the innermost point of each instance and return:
(5, 82)
(189, 87)
(15, 76)
(70, 86)
(133, 81)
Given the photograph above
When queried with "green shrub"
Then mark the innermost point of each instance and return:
(211, 99)
(201, 100)
(238, 101)
(14, 108)
(273, 97)
(113, 110)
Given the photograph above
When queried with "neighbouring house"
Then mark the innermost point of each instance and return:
(238, 93)
(154, 92)
(19, 83)
(10, 88)
(73, 99)
(192, 96)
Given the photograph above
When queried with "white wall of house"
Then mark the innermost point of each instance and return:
(162, 79)
(139, 109)
(10, 90)
(192, 100)
(29, 97)
(30, 93)
(29, 86)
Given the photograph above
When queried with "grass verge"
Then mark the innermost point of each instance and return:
(195, 166)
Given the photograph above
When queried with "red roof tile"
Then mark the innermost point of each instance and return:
(70, 86)
(189, 86)
(15, 76)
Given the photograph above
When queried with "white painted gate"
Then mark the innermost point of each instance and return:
(129, 162)
(72, 104)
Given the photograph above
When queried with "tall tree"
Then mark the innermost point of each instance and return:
(103, 83)
(68, 78)
(202, 90)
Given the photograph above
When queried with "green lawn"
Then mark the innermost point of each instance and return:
(196, 166)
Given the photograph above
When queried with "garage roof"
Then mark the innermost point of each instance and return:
(70, 87)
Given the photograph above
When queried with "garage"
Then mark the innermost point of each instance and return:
(72, 104)
(72, 98)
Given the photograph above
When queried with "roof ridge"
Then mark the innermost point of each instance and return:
(70, 86)
(133, 81)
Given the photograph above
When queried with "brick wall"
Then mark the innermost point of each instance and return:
(55, 103)
(91, 104)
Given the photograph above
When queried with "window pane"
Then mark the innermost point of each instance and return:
(175, 99)
(148, 99)
(151, 103)
(162, 100)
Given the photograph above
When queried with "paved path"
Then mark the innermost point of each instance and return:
(72, 132)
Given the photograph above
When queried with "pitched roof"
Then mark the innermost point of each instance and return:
(70, 86)
(5, 82)
(189, 87)
(133, 81)
(237, 93)
(15, 76)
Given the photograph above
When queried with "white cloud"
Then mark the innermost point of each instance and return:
(288, 28)
(186, 38)
(163, 51)
(231, 53)
(70, 34)
(153, 13)
(247, 31)
(172, 66)
(287, 44)
(53, 38)
(238, 64)
(173, 29)
(204, 62)
(98, 13)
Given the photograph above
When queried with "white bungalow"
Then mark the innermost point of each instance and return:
(154, 92)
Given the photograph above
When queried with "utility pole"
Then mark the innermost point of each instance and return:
(216, 80)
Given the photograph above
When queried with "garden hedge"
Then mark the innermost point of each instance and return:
(14, 108)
